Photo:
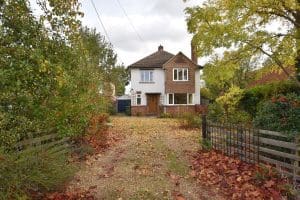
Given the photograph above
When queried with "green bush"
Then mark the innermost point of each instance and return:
(205, 93)
(189, 120)
(128, 110)
(32, 171)
(253, 96)
(206, 144)
(165, 115)
(216, 113)
(282, 113)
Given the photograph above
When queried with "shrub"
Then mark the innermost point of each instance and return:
(253, 96)
(206, 144)
(189, 120)
(128, 111)
(282, 113)
(216, 113)
(112, 110)
(226, 107)
(205, 93)
(98, 123)
(165, 115)
(230, 100)
(30, 171)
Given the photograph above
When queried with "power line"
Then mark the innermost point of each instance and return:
(132, 25)
(101, 22)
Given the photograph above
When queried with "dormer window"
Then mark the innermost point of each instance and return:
(180, 74)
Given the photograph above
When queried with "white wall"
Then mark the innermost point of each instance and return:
(197, 87)
(157, 87)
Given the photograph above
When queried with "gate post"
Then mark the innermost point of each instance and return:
(296, 161)
(204, 127)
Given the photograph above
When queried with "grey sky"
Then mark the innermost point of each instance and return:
(157, 22)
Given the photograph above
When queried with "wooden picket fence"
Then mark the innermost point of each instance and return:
(256, 146)
(51, 143)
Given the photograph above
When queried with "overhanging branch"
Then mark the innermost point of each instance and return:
(275, 59)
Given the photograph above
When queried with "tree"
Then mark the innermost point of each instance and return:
(245, 26)
(104, 58)
(49, 75)
(120, 78)
(221, 74)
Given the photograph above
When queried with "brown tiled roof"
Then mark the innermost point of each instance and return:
(273, 76)
(155, 60)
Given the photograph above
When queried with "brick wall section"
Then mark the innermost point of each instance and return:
(138, 110)
(173, 110)
(202, 109)
(180, 61)
(179, 110)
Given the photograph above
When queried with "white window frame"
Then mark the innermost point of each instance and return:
(176, 70)
(147, 76)
(170, 94)
(138, 96)
(187, 98)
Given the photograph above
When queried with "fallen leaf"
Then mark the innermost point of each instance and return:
(269, 183)
(193, 173)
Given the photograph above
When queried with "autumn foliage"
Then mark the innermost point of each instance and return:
(79, 195)
(237, 179)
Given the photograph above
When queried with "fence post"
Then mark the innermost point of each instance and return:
(204, 127)
(296, 162)
(258, 145)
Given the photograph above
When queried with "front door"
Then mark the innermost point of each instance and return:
(152, 104)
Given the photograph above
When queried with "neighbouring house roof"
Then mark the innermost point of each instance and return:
(155, 60)
(272, 76)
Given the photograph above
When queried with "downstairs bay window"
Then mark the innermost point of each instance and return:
(180, 99)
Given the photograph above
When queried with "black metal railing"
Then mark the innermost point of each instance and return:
(255, 146)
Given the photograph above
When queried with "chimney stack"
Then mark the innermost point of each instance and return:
(194, 57)
(160, 48)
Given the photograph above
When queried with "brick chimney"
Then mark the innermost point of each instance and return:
(160, 48)
(194, 57)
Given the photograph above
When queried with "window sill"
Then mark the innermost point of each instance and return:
(181, 80)
(141, 82)
(180, 104)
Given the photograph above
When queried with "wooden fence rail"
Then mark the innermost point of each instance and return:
(50, 142)
(256, 146)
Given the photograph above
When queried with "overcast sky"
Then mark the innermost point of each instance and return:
(156, 21)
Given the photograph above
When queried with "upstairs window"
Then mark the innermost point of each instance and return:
(180, 74)
(147, 76)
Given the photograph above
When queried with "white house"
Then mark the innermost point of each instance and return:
(165, 83)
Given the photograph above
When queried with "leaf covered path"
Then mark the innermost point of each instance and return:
(151, 162)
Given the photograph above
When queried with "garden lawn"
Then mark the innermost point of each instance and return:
(151, 162)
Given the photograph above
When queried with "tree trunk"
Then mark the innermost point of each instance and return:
(297, 63)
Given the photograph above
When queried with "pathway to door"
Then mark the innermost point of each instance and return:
(151, 162)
